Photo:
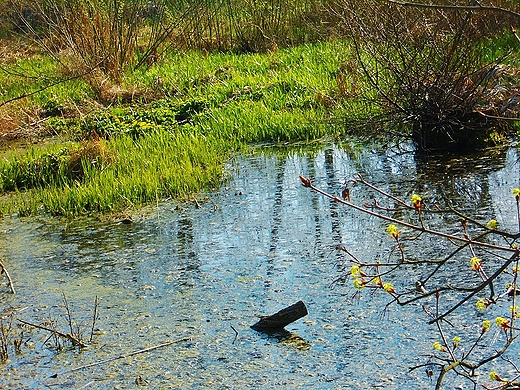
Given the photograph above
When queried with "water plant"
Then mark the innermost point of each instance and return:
(15, 333)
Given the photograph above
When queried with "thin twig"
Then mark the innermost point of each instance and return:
(307, 183)
(69, 337)
(518, 211)
(236, 333)
(98, 363)
(94, 318)
(4, 271)
(479, 288)
(50, 85)
(456, 7)
(513, 30)
(69, 316)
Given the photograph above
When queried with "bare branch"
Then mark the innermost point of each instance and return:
(3, 270)
(465, 240)
(456, 7)
(480, 287)
(65, 336)
(47, 86)
(166, 344)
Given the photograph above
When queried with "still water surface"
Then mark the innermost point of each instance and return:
(260, 243)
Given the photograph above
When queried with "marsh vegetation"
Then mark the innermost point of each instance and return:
(108, 84)
(107, 107)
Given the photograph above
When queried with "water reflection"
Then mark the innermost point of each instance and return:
(291, 339)
(462, 179)
(255, 246)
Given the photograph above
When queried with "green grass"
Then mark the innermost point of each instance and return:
(207, 107)
(128, 156)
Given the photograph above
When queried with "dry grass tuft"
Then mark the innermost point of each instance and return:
(17, 120)
(110, 92)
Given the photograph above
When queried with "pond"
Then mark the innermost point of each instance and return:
(197, 274)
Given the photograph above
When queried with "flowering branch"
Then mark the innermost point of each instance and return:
(375, 275)
(308, 184)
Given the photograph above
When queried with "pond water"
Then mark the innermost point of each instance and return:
(202, 274)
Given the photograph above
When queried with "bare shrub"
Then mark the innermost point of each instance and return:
(250, 26)
(110, 36)
(427, 70)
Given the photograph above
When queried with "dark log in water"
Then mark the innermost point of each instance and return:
(284, 317)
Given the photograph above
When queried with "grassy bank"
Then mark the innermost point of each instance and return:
(130, 113)
(203, 109)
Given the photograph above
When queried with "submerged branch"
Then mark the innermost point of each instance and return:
(282, 318)
(122, 356)
(66, 336)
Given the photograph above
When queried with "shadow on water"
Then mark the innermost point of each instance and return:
(284, 337)
(255, 246)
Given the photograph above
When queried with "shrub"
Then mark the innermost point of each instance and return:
(428, 71)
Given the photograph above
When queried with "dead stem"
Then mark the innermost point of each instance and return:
(149, 349)
(65, 336)
(4, 271)
(94, 317)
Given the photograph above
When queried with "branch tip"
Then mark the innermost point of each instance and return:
(306, 182)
